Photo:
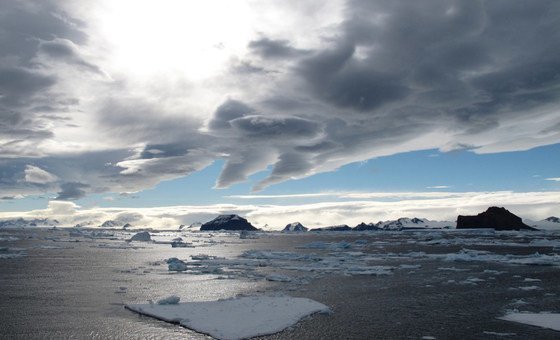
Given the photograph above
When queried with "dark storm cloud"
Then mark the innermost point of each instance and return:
(291, 165)
(28, 30)
(243, 162)
(247, 68)
(25, 23)
(259, 126)
(390, 76)
(228, 111)
(18, 86)
(395, 71)
(338, 79)
(72, 191)
(275, 49)
(65, 50)
(318, 147)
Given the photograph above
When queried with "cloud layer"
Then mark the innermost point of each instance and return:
(353, 209)
(339, 83)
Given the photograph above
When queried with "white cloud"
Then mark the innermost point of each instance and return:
(555, 179)
(446, 206)
(439, 187)
(37, 175)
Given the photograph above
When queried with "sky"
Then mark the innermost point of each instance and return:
(159, 113)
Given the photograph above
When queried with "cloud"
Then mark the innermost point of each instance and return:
(435, 206)
(65, 50)
(259, 126)
(281, 49)
(321, 87)
(555, 179)
(37, 175)
(439, 187)
(72, 191)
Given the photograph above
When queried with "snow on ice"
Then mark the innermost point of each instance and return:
(545, 320)
(236, 318)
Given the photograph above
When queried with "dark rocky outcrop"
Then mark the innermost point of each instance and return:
(363, 227)
(22, 223)
(496, 218)
(110, 224)
(342, 227)
(227, 222)
(295, 227)
(143, 236)
(553, 219)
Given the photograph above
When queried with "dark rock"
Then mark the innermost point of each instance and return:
(362, 227)
(143, 236)
(295, 227)
(342, 227)
(496, 218)
(553, 219)
(110, 224)
(227, 222)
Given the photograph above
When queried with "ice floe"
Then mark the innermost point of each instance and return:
(12, 253)
(142, 236)
(176, 265)
(170, 300)
(499, 333)
(545, 320)
(236, 318)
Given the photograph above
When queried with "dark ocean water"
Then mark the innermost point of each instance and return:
(62, 289)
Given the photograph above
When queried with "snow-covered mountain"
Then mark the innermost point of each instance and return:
(295, 227)
(227, 222)
(341, 227)
(26, 223)
(412, 223)
(192, 227)
(110, 224)
(549, 223)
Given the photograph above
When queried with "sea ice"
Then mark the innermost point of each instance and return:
(278, 278)
(328, 245)
(545, 320)
(143, 236)
(237, 318)
(8, 238)
(528, 279)
(11, 253)
(528, 288)
(498, 333)
(176, 265)
(170, 300)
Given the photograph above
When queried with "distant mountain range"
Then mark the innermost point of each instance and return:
(28, 223)
(235, 222)
(550, 223)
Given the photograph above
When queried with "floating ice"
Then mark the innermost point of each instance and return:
(176, 265)
(453, 269)
(8, 238)
(237, 318)
(528, 288)
(545, 320)
(328, 245)
(528, 279)
(170, 300)
(499, 334)
(11, 253)
(143, 236)
(278, 278)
